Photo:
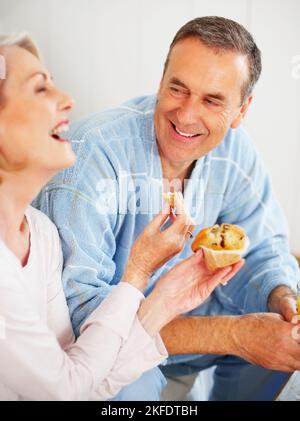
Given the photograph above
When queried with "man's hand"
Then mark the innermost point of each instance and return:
(282, 300)
(267, 340)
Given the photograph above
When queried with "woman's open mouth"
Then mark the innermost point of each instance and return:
(60, 128)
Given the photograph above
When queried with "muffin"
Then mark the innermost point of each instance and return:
(223, 245)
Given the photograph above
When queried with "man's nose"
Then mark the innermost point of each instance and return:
(190, 111)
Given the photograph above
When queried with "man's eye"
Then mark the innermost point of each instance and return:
(177, 91)
(210, 102)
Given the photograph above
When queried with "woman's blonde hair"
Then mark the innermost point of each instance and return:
(22, 40)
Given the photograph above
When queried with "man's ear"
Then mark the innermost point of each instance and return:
(242, 112)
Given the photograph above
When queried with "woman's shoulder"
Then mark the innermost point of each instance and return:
(10, 268)
(6, 256)
(45, 238)
(41, 224)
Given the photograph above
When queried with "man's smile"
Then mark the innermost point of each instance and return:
(183, 135)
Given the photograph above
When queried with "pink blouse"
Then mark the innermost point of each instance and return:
(39, 358)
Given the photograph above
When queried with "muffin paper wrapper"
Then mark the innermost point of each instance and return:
(216, 259)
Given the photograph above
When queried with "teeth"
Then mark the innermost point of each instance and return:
(60, 129)
(185, 134)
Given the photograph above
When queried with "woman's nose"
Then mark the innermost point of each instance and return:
(66, 103)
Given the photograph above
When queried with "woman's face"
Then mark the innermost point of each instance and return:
(31, 108)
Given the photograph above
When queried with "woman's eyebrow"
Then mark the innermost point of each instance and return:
(39, 73)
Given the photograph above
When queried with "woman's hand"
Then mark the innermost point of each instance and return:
(154, 247)
(183, 288)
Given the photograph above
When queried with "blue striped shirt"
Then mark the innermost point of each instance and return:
(104, 202)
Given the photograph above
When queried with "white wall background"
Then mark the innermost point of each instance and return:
(106, 51)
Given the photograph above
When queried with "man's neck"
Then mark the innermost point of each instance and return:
(174, 173)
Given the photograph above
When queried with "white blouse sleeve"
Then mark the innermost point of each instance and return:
(58, 317)
(138, 354)
(33, 362)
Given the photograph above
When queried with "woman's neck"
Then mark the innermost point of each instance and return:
(16, 193)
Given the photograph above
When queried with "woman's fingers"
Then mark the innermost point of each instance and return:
(160, 218)
(216, 279)
(222, 276)
(179, 203)
(234, 269)
(183, 222)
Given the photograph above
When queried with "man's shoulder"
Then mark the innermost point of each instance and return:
(237, 146)
(107, 141)
(115, 120)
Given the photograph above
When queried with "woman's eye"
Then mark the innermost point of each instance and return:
(41, 89)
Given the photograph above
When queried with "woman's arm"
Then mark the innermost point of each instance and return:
(33, 363)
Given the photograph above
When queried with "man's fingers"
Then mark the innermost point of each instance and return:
(288, 308)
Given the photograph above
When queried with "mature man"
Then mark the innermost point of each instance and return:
(189, 135)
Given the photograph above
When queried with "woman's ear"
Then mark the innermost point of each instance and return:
(242, 112)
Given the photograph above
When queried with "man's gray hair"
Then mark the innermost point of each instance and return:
(223, 34)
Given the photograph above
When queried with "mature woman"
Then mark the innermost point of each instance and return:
(39, 357)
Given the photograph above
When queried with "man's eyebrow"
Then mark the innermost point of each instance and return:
(178, 82)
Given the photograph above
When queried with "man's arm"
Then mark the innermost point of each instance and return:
(264, 284)
(249, 201)
(261, 338)
(199, 335)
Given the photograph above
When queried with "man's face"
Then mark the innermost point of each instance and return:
(199, 99)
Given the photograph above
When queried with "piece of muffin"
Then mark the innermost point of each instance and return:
(223, 245)
(170, 197)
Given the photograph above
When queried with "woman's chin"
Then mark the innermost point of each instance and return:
(69, 161)
(66, 160)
